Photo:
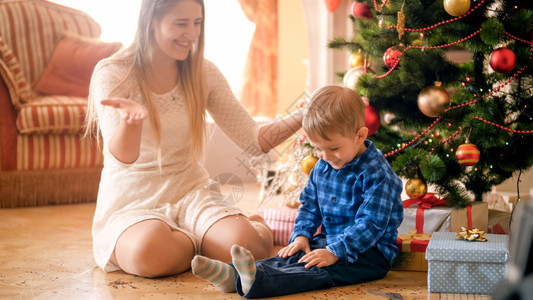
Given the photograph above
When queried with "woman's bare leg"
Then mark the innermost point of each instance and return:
(152, 249)
(252, 234)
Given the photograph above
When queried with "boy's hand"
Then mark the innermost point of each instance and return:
(320, 258)
(299, 243)
(129, 110)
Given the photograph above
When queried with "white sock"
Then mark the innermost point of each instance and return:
(219, 273)
(244, 262)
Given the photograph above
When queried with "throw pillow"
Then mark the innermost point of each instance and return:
(70, 68)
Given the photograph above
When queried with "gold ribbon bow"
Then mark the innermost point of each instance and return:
(413, 235)
(472, 234)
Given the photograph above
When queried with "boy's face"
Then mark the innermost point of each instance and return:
(339, 150)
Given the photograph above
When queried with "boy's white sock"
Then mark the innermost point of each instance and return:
(219, 273)
(244, 262)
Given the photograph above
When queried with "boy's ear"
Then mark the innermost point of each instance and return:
(362, 133)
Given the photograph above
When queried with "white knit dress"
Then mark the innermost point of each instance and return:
(179, 193)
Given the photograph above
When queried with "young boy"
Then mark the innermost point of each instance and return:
(352, 192)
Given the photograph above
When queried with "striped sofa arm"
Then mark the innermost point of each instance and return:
(41, 163)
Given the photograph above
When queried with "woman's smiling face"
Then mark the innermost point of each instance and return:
(176, 33)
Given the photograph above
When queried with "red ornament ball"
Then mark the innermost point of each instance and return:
(332, 5)
(372, 119)
(361, 10)
(392, 56)
(502, 60)
(467, 154)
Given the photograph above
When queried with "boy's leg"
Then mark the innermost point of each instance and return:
(370, 265)
(219, 273)
(278, 276)
(285, 280)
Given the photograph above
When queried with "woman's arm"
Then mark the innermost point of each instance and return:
(274, 133)
(125, 144)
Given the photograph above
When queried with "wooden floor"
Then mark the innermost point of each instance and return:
(45, 253)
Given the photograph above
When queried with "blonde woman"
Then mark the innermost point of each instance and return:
(156, 206)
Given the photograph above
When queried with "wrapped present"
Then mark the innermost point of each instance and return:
(498, 222)
(500, 201)
(430, 214)
(281, 220)
(413, 242)
(412, 252)
(470, 267)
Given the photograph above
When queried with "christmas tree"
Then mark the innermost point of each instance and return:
(462, 124)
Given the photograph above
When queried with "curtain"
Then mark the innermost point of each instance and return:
(259, 90)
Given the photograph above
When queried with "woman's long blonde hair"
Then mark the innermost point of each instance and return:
(139, 56)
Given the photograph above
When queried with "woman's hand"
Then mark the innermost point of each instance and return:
(126, 141)
(299, 243)
(319, 257)
(130, 111)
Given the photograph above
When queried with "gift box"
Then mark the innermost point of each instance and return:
(281, 220)
(412, 252)
(498, 222)
(434, 216)
(469, 267)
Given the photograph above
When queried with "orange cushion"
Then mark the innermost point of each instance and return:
(70, 68)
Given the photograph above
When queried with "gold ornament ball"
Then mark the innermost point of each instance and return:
(456, 8)
(416, 188)
(308, 163)
(351, 77)
(357, 60)
(433, 100)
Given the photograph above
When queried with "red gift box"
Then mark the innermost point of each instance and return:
(414, 242)
(412, 252)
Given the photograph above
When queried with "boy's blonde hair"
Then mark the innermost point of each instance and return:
(334, 109)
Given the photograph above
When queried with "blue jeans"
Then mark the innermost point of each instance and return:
(278, 276)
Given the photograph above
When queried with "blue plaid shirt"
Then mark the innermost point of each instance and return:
(359, 206)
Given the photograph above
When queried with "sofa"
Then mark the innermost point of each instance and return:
(47, 55)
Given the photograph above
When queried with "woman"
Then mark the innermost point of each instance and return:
(156, 207)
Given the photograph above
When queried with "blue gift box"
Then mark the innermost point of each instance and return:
(459, 266)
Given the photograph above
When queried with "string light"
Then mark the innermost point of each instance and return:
(447, 140)
(450, 124)
(490, 93)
